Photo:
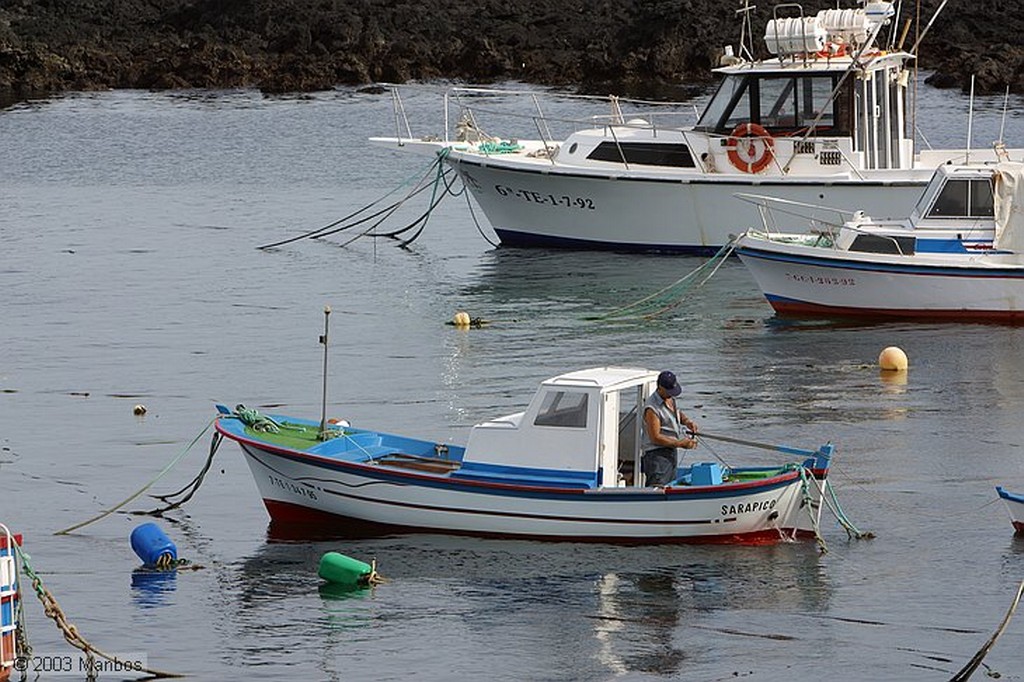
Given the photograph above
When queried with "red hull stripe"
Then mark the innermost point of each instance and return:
(295, 522)
(791, 307)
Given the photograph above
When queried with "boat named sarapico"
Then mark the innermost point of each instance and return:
(559, 470)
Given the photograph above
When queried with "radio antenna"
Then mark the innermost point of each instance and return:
(323, 402)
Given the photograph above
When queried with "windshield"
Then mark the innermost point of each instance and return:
(779, 102)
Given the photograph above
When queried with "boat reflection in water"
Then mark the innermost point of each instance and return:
(557, 610)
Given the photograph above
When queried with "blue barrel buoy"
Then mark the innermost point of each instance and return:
(151, 545)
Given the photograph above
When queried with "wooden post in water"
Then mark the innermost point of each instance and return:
(323, 402)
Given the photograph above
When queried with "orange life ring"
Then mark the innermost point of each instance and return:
(832, 51)
(747, 135)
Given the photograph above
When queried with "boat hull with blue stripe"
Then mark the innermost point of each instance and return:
(958, 256)
(559, 470)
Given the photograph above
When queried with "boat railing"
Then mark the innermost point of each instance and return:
(474, 102)
(769, 206)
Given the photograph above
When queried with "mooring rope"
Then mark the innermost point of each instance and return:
(190, 488)
(975, 662)
(669, 297)
(53, 611)
(323, 231)
(379, 217)
(813, 508)
(143, 489)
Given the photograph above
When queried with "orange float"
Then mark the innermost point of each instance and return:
(745, 135)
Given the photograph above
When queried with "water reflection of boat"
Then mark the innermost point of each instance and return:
(585, 611)
(825, 119)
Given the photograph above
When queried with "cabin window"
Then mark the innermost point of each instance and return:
(732, 96)
(644, 154)
(563, 408)
(782, 104)
(874, 243)
(963, 198)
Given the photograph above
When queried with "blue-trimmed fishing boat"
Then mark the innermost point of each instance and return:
(959, 256)
(1015, 505)
(9, 606)
(559, 470)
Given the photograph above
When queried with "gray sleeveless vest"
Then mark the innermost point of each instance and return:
(669, 421)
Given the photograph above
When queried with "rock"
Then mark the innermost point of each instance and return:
(637, 46)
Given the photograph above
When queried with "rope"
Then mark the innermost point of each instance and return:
(811, 506)
(190, 489)
(53, 611)
(434, 201)
(141, 490)
(253, 419)
(669, 297)
(323, 231)
(975, 662)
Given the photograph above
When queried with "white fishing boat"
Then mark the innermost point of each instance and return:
(559, 470)
(825, 120)
(959, 256)
(1015, 505)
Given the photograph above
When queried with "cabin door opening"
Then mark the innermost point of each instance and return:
(630, 407)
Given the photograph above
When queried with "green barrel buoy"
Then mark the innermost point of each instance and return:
(343, 570)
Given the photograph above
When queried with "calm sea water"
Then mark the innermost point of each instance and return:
(129, 223)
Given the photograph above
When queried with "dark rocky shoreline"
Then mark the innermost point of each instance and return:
(638, 47)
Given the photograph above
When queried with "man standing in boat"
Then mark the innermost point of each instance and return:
(664, 432)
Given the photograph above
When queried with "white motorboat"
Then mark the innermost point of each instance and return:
(959, 256)
(559, 470)
(825, 120)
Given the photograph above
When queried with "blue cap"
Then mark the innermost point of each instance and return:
(667, 381)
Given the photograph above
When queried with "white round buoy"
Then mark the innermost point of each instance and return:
(893, 359)
(461, 319)
(139, 410)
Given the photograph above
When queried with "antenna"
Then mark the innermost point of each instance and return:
(1002, 123)
(745, 30)
(970, 122)
(927, 28)
(323, 402)
(895, 25)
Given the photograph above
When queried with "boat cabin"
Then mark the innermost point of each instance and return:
(826, 80)
(955, 214)
(827, 101)
(580, 426)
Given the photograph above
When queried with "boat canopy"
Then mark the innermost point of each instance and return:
(1009, 206)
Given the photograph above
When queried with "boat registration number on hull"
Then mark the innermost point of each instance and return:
(564, 200)
(292, 488)
(829, 281)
